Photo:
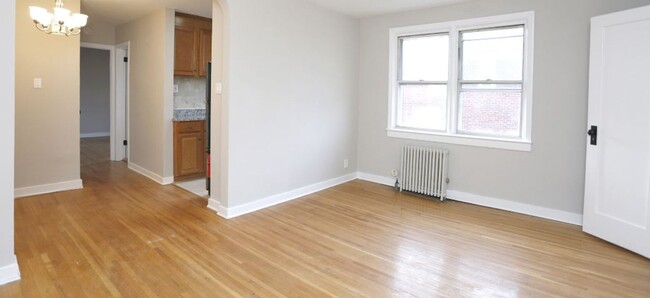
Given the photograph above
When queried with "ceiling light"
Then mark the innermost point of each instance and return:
(61, 22)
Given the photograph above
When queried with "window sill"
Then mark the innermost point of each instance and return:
(476, 141)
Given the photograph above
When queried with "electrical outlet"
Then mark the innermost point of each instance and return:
(38, 83)
(346, 163)
(394, 173)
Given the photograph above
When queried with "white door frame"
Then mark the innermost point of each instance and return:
(111, 50)
(119, 106)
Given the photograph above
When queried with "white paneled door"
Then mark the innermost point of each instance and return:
(617, 185)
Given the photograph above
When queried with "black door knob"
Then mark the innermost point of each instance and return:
(593, 133)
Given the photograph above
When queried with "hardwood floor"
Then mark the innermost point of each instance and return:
(124, 235)
(94, 150)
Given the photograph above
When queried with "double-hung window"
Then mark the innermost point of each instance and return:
(466, 82)
(423, 81)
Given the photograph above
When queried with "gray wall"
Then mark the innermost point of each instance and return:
(290, 103)
(7, 99)
(151, 106)
(552, 175)
(47, 119)
(95, 91)
(98, 31)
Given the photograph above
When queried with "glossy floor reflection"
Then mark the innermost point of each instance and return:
(124, 235)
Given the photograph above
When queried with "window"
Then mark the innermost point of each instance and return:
(422, 82)
(465, 82)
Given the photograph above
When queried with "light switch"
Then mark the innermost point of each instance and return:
(218, 88)
(175, 89)
(38, 83)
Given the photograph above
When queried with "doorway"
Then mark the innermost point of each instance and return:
(95, 100)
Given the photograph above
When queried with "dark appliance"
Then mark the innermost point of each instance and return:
(208, 104)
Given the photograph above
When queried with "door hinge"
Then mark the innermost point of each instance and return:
(125, 143)
(126, 59)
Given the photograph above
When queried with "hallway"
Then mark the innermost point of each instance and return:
(94, 150)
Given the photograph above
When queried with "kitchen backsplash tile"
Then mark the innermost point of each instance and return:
(189, 114)
(191, 93)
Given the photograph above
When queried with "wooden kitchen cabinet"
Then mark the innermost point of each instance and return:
(205, 50)
(192, 45)
(185, 58)
(189, 149)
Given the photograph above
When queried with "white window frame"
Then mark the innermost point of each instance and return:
(524, 143)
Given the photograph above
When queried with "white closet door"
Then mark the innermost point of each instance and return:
(617, 183)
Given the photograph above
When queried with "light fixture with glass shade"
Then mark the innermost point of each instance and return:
(61, 22)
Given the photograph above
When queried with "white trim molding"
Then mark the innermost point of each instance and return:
(216, 206)
(476, 141)
(451, 134)
(95, 135)
(120, 102)
(151, 175)
(376, 179)
(10, 273)
(48, 188)
(543, 212)
(240, 210)
(502, 204)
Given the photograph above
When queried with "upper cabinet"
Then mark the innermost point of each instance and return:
(192, 45)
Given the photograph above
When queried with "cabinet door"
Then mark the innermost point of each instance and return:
(185, 52)
(189, 154)
(205, 50)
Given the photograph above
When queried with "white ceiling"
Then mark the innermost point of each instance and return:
(117, 12)
(364, 8)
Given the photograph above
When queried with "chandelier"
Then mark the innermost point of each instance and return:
(61, 22)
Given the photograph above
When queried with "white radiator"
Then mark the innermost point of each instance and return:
(424, 171)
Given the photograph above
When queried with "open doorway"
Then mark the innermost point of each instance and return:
(104, 102)
(95, 102)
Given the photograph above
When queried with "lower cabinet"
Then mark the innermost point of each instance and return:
(189, 149)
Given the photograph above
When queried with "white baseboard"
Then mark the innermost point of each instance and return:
(537, 211)
(376, 179)
(276, 199)
(216, 206)
(151, 175)
(543, 212)
(48, 188)
(9, 273)
(95, 135)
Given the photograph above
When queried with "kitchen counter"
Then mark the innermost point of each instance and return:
(189, 115)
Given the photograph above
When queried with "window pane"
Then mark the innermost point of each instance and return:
(425, 58)
(490, 112)
(490, 33)
(423, 107)
(473, 87)
(495, 54)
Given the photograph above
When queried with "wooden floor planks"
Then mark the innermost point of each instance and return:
(124, 235)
